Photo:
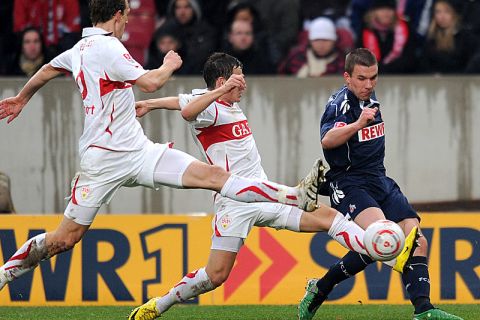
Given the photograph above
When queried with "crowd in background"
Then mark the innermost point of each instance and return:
(305, 38)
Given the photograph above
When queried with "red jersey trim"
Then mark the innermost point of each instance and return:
(107, 85)
(225, 132)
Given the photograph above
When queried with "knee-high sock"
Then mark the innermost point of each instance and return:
(347, 233)
(417, 282)
(351, 264)
(192, 285)
(251, 190)
(26, 258)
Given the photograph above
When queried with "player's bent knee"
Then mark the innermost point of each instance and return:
(216, 176)
(219, 277)
(422, 249)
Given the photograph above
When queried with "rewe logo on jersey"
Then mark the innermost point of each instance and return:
(372, 132)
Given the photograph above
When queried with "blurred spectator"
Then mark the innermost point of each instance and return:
(6, 203)
(241, 44)
(321, 56)
(470, 13)
(141, 26)
(449, 47)
(389, 37)
(214, 12)
(246, 11)
(59, 21)
(7, 36)
(281, 19)
(164, 40)
(333, 9)
(85, 21)
(31, 55)
(197, 36)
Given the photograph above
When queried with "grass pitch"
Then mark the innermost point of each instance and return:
(253, 312)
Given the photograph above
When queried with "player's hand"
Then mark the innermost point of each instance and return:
(367, 116)
(141, 108)
(11, 108)
(235, 81)
(172, 60)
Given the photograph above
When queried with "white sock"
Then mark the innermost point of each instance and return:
(347, 233)
(192, 285)
(250, 190)
(26, 258)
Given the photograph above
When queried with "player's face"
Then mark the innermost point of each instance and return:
(122, 22)
(236, 94)
(362, 81)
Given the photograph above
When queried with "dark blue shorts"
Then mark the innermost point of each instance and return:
(352, 195)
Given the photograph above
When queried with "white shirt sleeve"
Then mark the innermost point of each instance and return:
(63, 61)
(205, 118)
(122, 66)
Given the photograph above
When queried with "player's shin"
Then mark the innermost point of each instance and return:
(347, 233)
(250, 190)
(25, 259)
(192, 285)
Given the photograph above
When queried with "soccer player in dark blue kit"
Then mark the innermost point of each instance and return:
(353, 141)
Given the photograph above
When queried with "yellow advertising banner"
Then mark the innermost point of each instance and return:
(125, 259)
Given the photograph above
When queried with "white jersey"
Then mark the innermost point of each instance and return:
(222, 134)
(105, 72)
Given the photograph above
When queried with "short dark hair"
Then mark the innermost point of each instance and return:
(104, 10)
(218, 65)
(359, 56)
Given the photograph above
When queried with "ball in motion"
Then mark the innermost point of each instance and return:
(384, 240)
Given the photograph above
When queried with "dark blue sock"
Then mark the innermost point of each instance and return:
(351, 264)
(416, 280)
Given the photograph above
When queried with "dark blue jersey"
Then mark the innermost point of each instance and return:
(364, 152)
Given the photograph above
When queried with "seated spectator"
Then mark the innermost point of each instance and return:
(448, 47)
(31, 55)
(197, 36)
(6, 203)
(241, 44)
(389, 37)
(164, 40)
(321, 56)
(244, 10)
(59, 21)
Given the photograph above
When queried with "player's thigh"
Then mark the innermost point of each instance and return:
(319, 220)
(278, 216)
(171, 168)
(202, 175)
(359, 205)
(396, 206)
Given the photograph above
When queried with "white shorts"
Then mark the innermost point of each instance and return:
(103, 172)
(236, 219)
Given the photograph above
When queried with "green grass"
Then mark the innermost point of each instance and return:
(334, 312)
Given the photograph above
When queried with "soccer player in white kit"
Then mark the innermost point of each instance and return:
(222, 133)
(114, 150)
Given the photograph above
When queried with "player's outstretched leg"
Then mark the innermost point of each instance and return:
(192, 285)
(25, 259)
(317, 290)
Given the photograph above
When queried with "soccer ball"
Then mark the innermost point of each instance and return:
(384, 240)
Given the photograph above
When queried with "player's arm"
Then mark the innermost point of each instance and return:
(145, 106)
(11, 107)
(337, 136)
(192, 109)
(155, 79)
